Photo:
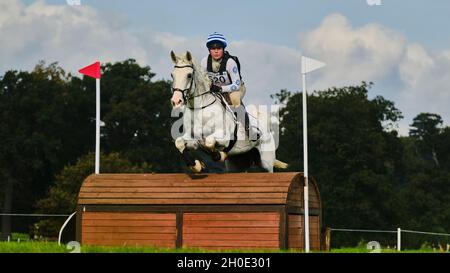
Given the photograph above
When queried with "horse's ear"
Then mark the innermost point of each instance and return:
(188, 56)
(173, 56)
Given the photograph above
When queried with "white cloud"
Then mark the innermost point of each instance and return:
(416, 62)
(426, 77)
(267, 69)
(352, 54)
(71, 35)
(420, 78)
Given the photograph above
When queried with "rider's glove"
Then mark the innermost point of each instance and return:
(215, 88)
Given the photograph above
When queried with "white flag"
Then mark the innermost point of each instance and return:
(309, 64)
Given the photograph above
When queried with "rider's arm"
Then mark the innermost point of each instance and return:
(233, 71)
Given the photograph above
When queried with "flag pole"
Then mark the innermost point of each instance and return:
(308, 65)
(305, 162)
(93, 71)
(97, 126)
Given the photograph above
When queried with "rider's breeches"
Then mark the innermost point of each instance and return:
(237, 96)
(242, 116)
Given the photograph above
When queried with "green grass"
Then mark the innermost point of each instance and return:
(31, 247)
(53, 247)
(383, 250)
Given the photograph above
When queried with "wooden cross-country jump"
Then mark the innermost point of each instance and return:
(213, 211)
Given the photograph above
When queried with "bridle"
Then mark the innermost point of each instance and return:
(183, 92)
(187, 92)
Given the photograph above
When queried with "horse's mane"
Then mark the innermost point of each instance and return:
(200, 76)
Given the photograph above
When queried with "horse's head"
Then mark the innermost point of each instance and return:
(189, 79)
(183, 78)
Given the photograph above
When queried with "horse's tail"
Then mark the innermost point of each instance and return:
(280, 164)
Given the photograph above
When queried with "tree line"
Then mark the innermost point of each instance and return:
(368, 176)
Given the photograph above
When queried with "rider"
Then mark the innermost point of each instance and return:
(225, 77)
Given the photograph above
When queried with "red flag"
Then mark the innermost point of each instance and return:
(92, 70)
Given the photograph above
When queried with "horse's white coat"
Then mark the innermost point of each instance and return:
(210, 125)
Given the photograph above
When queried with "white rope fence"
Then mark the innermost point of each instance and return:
(423, 232)
(398, 231)
(42, 215)
(363, 230)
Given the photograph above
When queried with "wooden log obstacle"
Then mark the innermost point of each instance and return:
(214, 211)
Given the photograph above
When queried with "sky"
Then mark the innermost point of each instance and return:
(403, 46)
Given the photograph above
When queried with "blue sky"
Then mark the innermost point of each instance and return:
(402, 45)
(279, 21)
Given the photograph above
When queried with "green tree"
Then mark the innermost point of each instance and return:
(426, 128)
(37, 134)
(444, 148)
(62, 195)
(352, 154)
(425, 192)
(48, 121)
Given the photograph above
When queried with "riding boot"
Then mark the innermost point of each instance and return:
(251, 132)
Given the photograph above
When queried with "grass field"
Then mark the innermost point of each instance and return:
(53, 247)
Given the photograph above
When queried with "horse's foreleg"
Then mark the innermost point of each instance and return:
(183, 146)
(216, 155)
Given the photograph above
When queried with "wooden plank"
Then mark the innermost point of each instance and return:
(180, 184)
(153, 243)
(205, 208)
(95, 189)
(242, 223)
(148, 201)
(231, 216)
(236, 243)
(238, 230)
(300, 224)
(295, 195)
(158, 176)
(129, 223)
(222, 248)
(231, 236)
(128, 236)
(295, 225)
(296, 237)
(265, 177)
(299, 219)
(312, 235)
(294, 232)
(128, 216)
(138, 229)
(193, 195)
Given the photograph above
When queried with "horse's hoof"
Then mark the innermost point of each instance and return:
(198, 167)
(223, 156)
(216, 156)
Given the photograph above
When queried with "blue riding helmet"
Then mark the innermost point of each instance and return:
(216, 40)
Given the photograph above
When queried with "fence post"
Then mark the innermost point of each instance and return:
(399, 239)
(327, 240)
